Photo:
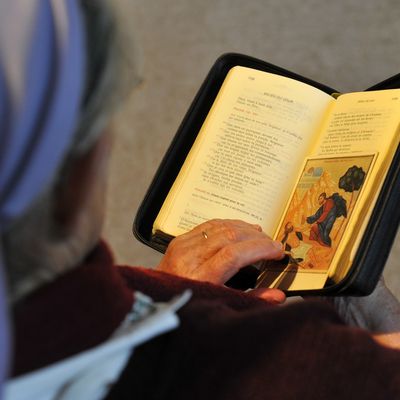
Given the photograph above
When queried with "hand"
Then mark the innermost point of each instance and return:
(379, 313)
(216, 250)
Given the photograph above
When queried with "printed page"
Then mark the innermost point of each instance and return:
(366, 122)
(360, 123)
(248, 153)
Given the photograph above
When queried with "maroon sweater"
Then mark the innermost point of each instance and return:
(229, 345)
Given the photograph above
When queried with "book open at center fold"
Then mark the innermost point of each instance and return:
(306, 166)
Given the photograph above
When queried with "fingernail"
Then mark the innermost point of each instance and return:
(277, 244)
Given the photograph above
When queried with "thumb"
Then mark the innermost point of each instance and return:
(272, 296)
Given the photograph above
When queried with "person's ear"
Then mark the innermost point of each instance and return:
(77, 181)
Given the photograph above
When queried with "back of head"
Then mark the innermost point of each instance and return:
(56, 67)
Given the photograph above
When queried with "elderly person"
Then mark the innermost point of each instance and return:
(85, 329)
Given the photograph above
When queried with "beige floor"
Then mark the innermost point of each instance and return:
(348, 45)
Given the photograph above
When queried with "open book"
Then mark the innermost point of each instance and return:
(305, 165)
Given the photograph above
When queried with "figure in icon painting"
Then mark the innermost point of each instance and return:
(295, 246)
(322, 221)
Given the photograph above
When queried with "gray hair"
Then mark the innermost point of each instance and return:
(34, 253)
(111, 72)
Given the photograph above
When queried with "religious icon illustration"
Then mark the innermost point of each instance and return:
(320, 209)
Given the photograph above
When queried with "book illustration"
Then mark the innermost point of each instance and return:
(319, 211)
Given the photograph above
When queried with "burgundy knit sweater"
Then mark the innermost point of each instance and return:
(229, 345)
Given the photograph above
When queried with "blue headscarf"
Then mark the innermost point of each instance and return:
(42, 65)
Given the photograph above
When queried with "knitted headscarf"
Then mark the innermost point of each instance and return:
(42, 68)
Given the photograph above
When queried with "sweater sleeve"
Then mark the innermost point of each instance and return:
(231, 347)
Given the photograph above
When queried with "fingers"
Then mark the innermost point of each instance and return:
(221, 233)
(391, 340)
(272, 296)
(215, 250)
(229, 259)
(216, 225)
